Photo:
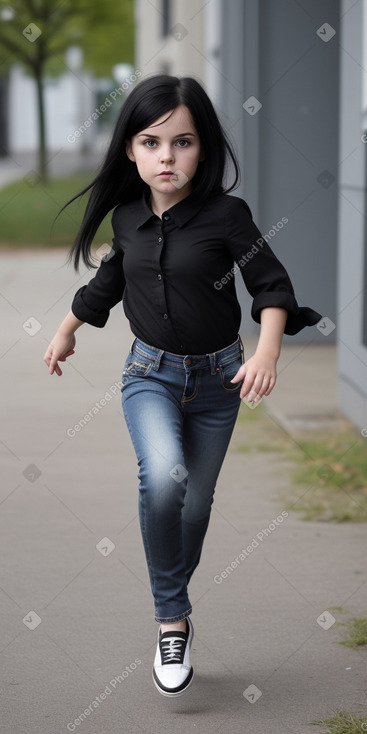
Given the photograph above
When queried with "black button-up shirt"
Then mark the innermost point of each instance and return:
(175, 275)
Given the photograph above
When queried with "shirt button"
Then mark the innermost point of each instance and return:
(166, 216)
(159, 276)
(165, 315)
(160, 239)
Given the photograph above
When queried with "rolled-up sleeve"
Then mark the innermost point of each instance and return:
(92, 302)
(265, 278)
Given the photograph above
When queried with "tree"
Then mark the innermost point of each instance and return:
(38, 32)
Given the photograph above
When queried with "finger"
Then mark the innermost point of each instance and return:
(246, 386)
(240, 374)
(53, 364)
(263, 387)
(272, 383)
(251, 382)
(258, 388)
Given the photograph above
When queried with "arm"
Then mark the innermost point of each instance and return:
(259, 372)
(264, 276)
(91, 304)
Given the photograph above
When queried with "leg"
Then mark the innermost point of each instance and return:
(206, 436)
(154, 421)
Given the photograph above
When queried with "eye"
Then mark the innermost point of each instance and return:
(183, 140)
(149, 141)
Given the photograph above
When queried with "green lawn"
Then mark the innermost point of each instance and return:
(331, 466)
(27, 213)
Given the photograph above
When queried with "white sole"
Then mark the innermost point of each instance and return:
(176, 693)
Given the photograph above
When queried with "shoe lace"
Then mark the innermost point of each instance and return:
(172, 650)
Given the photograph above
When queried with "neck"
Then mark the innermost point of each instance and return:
(158, 209)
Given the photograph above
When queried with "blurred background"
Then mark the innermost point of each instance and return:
(288, 80)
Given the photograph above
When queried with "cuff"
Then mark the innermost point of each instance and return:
(298, 316)
(83, 312)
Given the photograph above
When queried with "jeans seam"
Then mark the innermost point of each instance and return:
(175, 618)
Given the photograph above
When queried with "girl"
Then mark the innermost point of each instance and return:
(177, 235)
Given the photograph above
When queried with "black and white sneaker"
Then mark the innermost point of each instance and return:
(172, 670)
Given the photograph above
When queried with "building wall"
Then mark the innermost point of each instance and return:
(169, 37)
(69, 100)
(352, 277)
(286, 147)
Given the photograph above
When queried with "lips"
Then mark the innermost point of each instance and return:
(166, 173)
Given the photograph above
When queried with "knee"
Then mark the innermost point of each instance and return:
(165, 495)
(197, 510)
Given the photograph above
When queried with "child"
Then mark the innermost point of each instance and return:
(177, 234)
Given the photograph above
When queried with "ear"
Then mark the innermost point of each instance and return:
(129, 152)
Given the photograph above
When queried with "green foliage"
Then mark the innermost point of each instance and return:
(104, 31)
(27, 214)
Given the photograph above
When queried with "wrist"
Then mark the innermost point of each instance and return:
(69, 326)
(267, 353)
(65, 332)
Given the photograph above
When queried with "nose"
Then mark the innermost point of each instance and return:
(166, 153)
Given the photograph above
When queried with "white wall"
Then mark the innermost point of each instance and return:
(156, 53)
(69, 100)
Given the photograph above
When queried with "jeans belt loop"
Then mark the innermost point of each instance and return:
(132, 345)
(157, 360)
(213, 362)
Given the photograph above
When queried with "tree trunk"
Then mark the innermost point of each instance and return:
(42, 149)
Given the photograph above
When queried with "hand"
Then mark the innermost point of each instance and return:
(259, 377)
(62, 346)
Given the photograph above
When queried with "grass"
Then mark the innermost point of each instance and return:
(330, 465)
(356, 634)
(344, 723)
(333, 465)
(27, 213)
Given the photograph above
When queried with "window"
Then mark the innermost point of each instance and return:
(166, 19)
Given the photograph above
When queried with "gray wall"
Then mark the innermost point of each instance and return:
(290, 142)
(352, 353)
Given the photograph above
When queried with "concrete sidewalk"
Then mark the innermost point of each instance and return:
(78, 632)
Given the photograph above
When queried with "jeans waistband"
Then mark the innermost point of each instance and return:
(198, 361)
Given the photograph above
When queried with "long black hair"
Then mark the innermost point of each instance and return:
(118, 181)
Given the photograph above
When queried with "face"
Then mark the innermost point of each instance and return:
(167, 154)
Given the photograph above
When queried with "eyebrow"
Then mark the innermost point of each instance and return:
(181, 135)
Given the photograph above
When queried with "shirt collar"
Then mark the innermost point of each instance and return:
(180, 212)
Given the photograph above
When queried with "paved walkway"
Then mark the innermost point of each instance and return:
(78, 633)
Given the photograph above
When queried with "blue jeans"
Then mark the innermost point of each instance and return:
(180, 411)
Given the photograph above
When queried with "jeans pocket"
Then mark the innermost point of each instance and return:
(136, 366)
(227, 371)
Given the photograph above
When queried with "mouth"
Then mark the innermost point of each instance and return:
(166, 173)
